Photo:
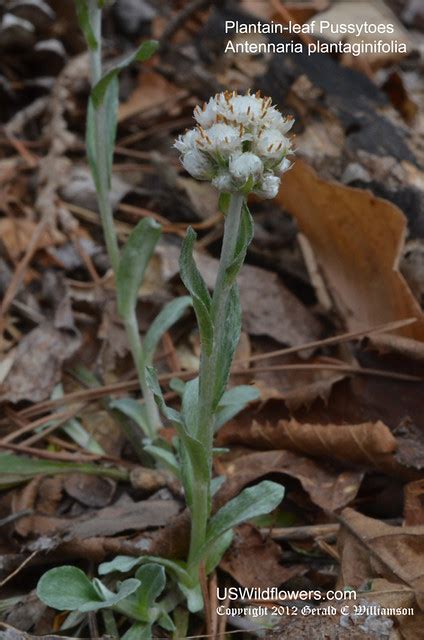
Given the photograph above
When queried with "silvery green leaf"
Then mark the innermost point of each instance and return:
(195, 462)
(101, 133)
(244, 239)
(110, 599)
(66, 588)
(133, 263)
(170, 314)
(165, 458)
(216, 550)
(230, 336)
(233, 401)
(250, 503)
(193, 596)
(152, 582)
(85, 24)
(139, 631)
(132, 409)
(143, 53)
(190, 405)
(197, 288)
(122, 564)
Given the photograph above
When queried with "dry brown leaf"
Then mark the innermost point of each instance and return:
(16, 234)
(414, 503)
(358, 240)
(255, 562)
(371, 549)
(327, 488)
(368, 444)
(38, 364)
(153, 93)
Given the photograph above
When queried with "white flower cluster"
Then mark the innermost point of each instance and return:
(239, 144)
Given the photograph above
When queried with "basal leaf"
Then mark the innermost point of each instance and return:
(139, 631)
(134, 260)
(153, 580)
(66, 588)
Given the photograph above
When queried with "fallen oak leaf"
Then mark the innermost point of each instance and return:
(357, 239)
(367, 444)
(328, 488)
(253, 560)
(370, 548)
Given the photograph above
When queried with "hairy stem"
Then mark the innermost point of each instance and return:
(207, 377)
(152, 413)
(106, 215)
(101, 136)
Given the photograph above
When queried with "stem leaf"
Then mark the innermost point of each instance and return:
(244, 239)
(134, 260)
(169, 315)
(233, 401)
(229, 341)
(101, 130)
(250, 503)
(85, 24)
(142, 54)
(197, 288)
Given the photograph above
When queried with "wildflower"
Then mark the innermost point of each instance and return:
(239, 144)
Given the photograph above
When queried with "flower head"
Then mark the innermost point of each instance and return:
(239, 144)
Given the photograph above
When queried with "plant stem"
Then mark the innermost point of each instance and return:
(207, 377)
(106, 215)
(101, 136)
(152, 413)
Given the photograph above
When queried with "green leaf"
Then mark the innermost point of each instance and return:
(26, 468)
(109, 598)
(85, 24)
(143, 53)
(165, 458)
(66, 588)
(250, 503)
(216, 550)
(139, 631)
(195, 461)
(233, 401)
(230, 336)
(189, 405)
(153, 580)
(169, 315)
(134, 260)
(193, 596)
(244, 239)
(101, 134)
(197, 288)
(123, 564)
(132, 409)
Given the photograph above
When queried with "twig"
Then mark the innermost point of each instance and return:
(304, 532)
(179, 19)
(18, 569)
